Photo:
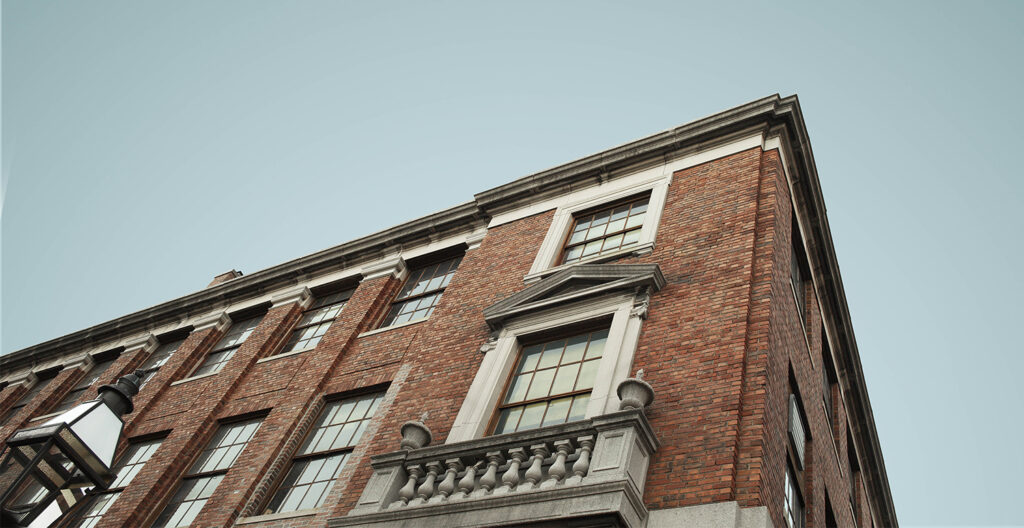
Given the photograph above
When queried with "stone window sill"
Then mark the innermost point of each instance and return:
(46, 416)
(392, 327)
(193, 378)
(277, 516)
(290, 353)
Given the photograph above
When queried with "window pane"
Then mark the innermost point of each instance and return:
(565, 380)
(225, 447)
(94, 511)
(587, 375)
(541, 384)
(532, 416)
(132, 461)
(188, 502)
(508, 420)
(341, 424)
(579, 408)
(557, 411)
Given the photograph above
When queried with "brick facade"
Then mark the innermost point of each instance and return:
(719, 344)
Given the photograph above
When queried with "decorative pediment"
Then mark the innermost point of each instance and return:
(574, 284)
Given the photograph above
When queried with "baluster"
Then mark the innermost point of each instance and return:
(536, 471)
(557, 470)
(511, 477)
(426, 490)
(582, 465)
(448, 485)
(468, 481)
(490, 478)
(409, 490)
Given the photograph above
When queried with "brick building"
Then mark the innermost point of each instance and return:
(505, 325)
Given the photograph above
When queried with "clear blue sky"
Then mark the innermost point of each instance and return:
(150, 146)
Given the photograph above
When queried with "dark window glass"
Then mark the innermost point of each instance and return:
(72, 397)
(158, 358)
(605, 230)
(315, 321)
(798, 273)
(552, 383)
(127, 467)
(227, 346)
(206, 473)
(422, 292)
(323, 455)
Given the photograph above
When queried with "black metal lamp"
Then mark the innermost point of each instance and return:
(49, 467)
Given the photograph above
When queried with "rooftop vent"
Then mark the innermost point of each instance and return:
(224, 277)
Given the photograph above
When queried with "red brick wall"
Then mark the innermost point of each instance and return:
(717, 347)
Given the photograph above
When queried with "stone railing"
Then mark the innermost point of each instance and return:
(591, 468)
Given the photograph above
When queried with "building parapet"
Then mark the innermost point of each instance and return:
(590, 468)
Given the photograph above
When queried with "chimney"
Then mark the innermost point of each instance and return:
(224, 277)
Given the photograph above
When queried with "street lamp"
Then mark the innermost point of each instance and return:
(50, 467)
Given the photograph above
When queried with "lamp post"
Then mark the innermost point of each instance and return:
(50, 467)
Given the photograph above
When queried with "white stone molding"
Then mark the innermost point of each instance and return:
(218, 321)
(490, 344)
(83, 362)
(652, 180)
(389, 266)
(482, 398)
(26, 378)
(299, 294)
(145, 343)
(473, 241)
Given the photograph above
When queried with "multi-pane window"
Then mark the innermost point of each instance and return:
(552, 383)
(797, 430)
(794, 504)
(158, 358)
(206, 473)
(421, 292)
(227, 346)
(83, 385)
(322, 456)
(315, 321)
(126, 468)
(605, 230)
(798, 271)
(28, 396)
(829, 379)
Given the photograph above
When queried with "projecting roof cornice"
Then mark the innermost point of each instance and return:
(577, 283)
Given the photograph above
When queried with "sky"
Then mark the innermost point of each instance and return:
(148, 146)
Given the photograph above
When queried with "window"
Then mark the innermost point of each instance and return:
(323, 455)
(797, 429)
(829, 379)
(605, 230)
(206, 473)
(315, 321)
(158, 358)
(851, 455)
(72, 397)
(127, 467)
(422, 292)
(798, 270)
(227, 346)
(830, 514)
(552, 383)
(41, 384)
(794, 505)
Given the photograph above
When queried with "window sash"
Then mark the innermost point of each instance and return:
(794, 507)
(188, 501)
(797, 433)
(422, 292)
(315, 321)
(605, 230)
(551, 383)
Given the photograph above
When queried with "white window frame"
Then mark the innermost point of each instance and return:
(652, 180)
(626, 311)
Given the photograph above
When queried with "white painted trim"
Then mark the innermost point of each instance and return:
(84, 362)
(392, 327)
(652, 180)
(46, 416)
(218, 321)
(392, 266)
(284, 355)
(473, 241)
(193, 378)
(484, 392)
(299, 294)
(143, 344)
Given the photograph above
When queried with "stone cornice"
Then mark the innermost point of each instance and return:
(773, 114)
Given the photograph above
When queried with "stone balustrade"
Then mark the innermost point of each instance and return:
(594, 467)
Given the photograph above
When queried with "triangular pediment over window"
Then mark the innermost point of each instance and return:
(574, 284)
